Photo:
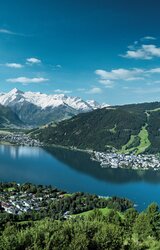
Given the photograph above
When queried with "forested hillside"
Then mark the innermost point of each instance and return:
(75, 221)
(129, 128)
(94, 231)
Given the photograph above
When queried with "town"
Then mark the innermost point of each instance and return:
(25, 202)
(17, 199)
(19, 138)
(131, 161)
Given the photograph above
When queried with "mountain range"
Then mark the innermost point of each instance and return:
(35, 109)
(73, 122)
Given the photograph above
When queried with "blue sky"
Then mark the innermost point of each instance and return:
(107, 50)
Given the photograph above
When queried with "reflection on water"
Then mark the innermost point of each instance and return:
(74, 171)
(18, 152)
(81, 162)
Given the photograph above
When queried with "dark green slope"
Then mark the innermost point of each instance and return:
(128, 128)
(154, 131)
(8, 118)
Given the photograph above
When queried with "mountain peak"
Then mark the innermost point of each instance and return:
(16, 91)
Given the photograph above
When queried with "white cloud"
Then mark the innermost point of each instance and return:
(143, 90)
(125, 87)
(59, 66)
(146, 90)
(118, 74)
(9, 32)
(109, 78)
(145, 52)
(138, 54)
(33, 60)
(14, 65)
(81, 89)
(148, 38)
(152, 50)
(107, 83)
(154, 70)
(94, 90)
(5, 31)
(56, 67)
(61, 91)
(135, 78)
(26, 80)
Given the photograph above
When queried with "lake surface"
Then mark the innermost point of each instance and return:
(74, 171)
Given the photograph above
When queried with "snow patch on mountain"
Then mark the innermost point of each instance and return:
(44, 101)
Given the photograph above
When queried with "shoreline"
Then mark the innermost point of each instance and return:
(89, 151)
(103, 164)
(127, 161)
(106, 160)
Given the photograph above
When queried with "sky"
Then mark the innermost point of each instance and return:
(107, 50)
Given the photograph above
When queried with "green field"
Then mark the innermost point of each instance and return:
(67, 195)
(127, 148)
(144, 141)
(104, 211)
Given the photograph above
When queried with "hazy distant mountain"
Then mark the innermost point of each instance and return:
(96, 105)
(38, 109)
(8, 119)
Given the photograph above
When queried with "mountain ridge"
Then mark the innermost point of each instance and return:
(35, 108)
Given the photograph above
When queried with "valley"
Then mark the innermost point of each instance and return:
(79, 125)
(125, 136)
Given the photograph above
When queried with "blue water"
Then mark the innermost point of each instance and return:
(74, 171)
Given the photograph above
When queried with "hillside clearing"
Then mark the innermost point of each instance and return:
(144, 141)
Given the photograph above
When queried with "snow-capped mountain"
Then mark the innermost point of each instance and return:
(93, 104)
(35, 108)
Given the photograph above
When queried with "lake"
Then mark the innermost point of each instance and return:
(74, 171)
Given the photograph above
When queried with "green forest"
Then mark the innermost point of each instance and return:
(130, 128)
(95, 230)
(93, 223)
